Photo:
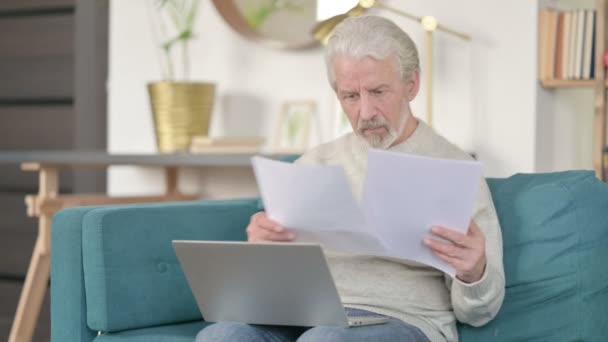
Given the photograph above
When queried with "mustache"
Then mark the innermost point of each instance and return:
(372, 123)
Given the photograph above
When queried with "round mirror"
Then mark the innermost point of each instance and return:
(285, 24)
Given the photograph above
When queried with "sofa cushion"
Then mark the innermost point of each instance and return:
(185, 332)
(132, 276)
(555, 236)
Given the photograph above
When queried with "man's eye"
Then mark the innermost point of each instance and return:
(350, 96)
(377, 92)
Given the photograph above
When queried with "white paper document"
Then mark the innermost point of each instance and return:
(404, 195)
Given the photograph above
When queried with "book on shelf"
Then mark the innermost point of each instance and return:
(566, 41)
(560, 47)
(588, 45)
(226, 145)
(577, 69)
(566, 46)
(605, 60)
(572, 45)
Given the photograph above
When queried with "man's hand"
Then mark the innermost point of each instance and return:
(261, 228)
(466, 253)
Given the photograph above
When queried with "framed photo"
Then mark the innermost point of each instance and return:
(294, 126)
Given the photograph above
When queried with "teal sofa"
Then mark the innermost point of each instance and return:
(115, 276)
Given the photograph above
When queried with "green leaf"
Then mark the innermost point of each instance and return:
(180, 17)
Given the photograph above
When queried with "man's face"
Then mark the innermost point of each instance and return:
(374, 97)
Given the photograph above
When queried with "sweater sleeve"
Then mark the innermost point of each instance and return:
(316, 156)
(478, 303)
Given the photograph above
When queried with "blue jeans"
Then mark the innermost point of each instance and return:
(394, 330)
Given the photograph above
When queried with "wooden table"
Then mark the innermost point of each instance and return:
(48, 201)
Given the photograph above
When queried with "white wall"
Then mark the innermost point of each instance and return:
(564, 130)
(253, 82)
(484, 90)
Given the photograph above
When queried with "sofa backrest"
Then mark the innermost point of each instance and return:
(555, 234)
(132, 276)
(555, 237)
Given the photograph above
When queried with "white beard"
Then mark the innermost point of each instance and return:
(381, 141)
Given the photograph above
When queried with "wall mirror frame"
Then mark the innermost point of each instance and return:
(233, 13)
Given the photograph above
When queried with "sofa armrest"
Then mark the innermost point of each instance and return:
(68, 308)
(132, 277)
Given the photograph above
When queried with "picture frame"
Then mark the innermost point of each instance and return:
(294, 125)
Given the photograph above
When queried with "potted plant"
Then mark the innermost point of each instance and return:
(181, 108)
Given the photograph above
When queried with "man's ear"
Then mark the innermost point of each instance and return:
(413, 85)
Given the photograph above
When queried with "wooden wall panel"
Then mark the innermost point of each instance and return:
(38, 66)
(34, 128)
(12, 179)
(11, 5)
(9, 295)
(18, 235)
(37, 56)
(34, 36)
(36, 77)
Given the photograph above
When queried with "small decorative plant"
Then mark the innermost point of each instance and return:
(181, 108)
(173, 25)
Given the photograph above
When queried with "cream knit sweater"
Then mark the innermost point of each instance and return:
(412, 292)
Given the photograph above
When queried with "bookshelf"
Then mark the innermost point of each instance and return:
(567, 83)
(551, 40)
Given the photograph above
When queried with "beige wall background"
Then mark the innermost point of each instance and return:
(486, 93)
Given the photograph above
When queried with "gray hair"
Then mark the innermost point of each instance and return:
(375, 37)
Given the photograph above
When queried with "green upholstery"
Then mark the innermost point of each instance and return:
(132, 275)
(114, 269)
(555, 237)
(68, 306)
(125, 257)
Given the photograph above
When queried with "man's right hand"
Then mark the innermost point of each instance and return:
(261, 228)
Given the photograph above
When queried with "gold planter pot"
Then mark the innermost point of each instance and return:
(181, 110)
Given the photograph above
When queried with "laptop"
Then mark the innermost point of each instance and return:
(264, 283)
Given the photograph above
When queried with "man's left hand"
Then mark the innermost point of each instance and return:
(466, 253)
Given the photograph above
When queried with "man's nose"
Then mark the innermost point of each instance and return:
(367, 108)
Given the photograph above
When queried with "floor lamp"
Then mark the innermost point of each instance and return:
(323, 29)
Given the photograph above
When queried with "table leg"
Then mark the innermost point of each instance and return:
(171, 180)
(36, 281)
